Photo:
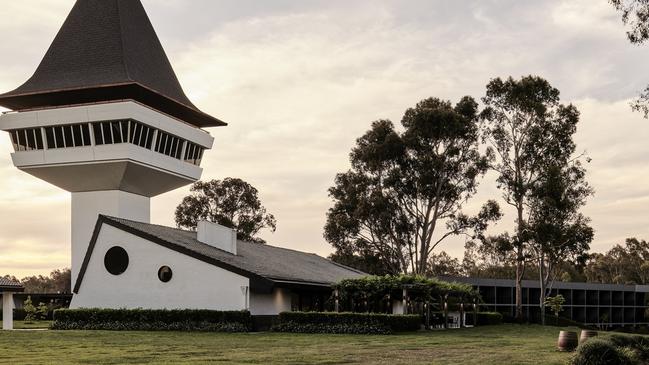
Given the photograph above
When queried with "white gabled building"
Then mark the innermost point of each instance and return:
(152, 266)
(105, 118)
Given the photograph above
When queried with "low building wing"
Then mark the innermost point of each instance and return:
(273, 265)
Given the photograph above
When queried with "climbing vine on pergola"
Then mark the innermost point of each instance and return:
(371, 290)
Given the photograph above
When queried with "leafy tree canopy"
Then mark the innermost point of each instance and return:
(404, 193)
(635, 14)
(527, 129)
(230, 202)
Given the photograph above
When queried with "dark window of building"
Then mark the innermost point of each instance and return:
(99, 136)
(77, 136)
(148, 137)
(136, 132)
(22, 140)
(116, 129)
(107, 133)
(27, 139)
(193, 153)
(116, 260)
(31, 139)
(66, 136)
(85, 134)
(58, 137)
(165, 274)
(169, 145)
(49, 135)
(38, 134)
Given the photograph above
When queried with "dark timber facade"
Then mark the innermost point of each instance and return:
(607, 305)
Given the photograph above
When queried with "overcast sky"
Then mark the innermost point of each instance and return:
(299, 81)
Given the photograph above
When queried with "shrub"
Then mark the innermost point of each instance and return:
(600, 352)
(151, 320)
(30, 310)
(628, 341)
(485, 318)
(637, 347)
(347, 323)
(42, 311)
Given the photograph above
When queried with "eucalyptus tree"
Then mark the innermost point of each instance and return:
(525, 127)
(404, 193)
(635, 14)
(230, 202)
(558, 232)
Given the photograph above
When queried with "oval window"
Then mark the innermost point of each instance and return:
(165, 274)
(116, 260)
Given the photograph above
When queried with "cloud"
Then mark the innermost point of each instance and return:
(300, 81)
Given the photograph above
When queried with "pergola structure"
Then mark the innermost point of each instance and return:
(7, 289)
(408, 295)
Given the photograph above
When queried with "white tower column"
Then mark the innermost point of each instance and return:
(87, 206)
(7, 310)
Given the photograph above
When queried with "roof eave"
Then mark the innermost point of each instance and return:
(18, 101)
(11, 289)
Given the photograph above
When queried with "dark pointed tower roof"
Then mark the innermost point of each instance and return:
(107, 50)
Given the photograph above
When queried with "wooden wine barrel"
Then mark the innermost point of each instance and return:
(567, 341)
(586, 334)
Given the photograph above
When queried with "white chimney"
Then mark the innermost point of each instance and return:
(216, 235)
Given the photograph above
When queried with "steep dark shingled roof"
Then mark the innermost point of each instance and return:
(107, 50)
(10, 285)
(278, 265)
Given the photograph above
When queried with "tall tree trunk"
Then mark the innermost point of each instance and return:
(542, 294)
(520, 261)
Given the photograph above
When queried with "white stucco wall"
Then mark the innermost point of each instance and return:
(86, 208)
(195, 284)
(270, 304)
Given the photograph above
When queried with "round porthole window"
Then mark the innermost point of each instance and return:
(165, 274)
(116, 260)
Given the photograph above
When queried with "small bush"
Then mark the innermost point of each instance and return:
(636, 346)
(151, 320)
(346, 323)
(600, 352)
(30, 310)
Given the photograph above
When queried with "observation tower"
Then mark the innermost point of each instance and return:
(105, 118)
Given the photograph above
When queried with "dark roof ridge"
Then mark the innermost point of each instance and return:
(117, 219)
(238, 240)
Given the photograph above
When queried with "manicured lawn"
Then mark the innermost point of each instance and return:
(507, 344)
(20, 325)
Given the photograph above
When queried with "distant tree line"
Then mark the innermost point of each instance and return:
(58, 282)
(626, 263)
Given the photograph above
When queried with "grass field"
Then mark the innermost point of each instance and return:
(20, 325)
(507, 344)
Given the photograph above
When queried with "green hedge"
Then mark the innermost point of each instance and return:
(347, 323)
(151, 320)
(485, 318)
